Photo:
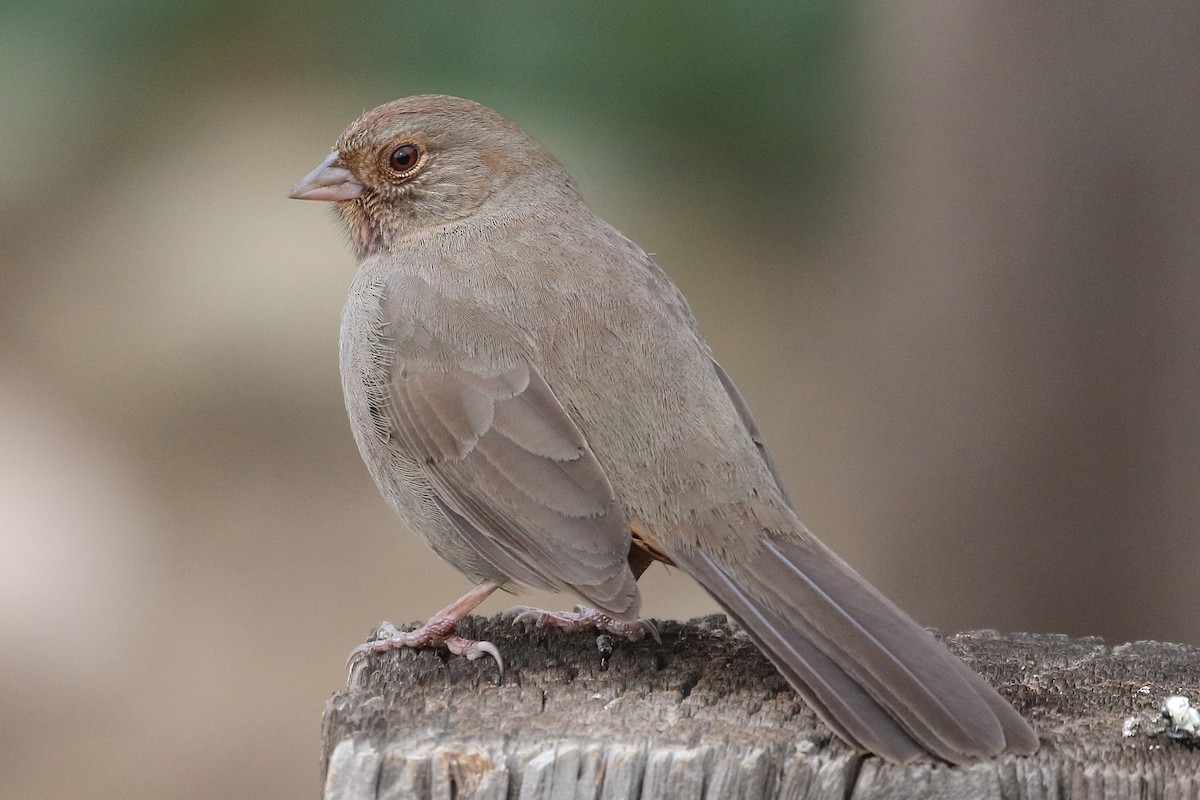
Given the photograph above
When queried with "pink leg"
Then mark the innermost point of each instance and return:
(437, 632)
(583, 619)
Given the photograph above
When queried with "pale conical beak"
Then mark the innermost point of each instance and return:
(329, 181)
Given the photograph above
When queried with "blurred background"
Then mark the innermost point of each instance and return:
(948, 251)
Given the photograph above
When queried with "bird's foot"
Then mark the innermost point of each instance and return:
(439, 631)
(583, 619)
(436, 633)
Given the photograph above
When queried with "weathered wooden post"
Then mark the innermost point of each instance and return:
(704, 715)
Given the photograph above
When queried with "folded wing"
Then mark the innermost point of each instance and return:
(515, 474)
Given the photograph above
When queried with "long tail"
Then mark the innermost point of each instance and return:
(879, 679)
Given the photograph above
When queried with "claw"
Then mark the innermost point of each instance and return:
(646, 626)
(521, 615)
(517, 613)
(384, 635)
(479, 649)
(358, 653)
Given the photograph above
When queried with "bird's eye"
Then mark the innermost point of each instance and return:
(404, 158)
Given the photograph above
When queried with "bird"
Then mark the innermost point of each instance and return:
(533, 397)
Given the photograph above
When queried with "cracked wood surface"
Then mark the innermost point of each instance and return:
(704, 715)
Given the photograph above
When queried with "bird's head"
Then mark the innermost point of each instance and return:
(425, 161)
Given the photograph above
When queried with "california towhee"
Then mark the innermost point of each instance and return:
(533, 398)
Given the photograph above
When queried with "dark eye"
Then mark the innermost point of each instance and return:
(404, 158)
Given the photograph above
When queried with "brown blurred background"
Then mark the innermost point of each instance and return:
(949, 252)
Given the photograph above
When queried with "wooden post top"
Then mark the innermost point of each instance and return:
(705, 715)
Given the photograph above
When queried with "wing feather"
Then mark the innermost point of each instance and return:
(516, 476)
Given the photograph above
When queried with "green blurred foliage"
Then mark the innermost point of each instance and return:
(754, 95)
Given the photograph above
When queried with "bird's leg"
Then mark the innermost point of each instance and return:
(583, 619)
(438, 631)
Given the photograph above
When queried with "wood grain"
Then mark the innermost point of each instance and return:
(704, 715)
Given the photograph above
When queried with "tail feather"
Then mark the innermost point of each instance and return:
(896, 660)
(877, 677)
(1019, 737)
(833, 694)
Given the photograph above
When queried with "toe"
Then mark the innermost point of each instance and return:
(473, 650)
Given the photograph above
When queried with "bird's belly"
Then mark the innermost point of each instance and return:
(400, 478)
